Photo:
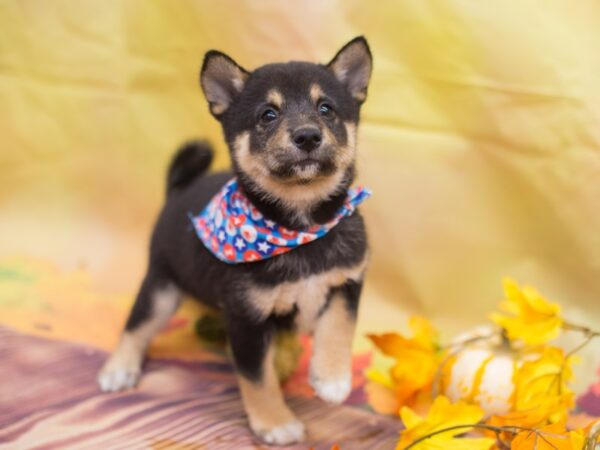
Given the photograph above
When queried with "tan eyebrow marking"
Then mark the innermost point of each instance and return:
(316, 93)
(275, 98)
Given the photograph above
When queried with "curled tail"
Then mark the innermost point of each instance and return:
(190, 161)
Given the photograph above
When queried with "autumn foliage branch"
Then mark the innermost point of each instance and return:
(531, 416)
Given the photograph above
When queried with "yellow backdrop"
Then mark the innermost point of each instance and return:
(480, 137)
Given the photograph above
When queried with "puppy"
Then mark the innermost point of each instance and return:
(291, 132)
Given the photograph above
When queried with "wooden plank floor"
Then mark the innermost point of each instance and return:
(49, 400)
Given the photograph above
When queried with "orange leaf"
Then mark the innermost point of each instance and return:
(550, 437)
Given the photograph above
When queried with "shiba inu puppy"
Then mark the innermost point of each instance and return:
(291, 131)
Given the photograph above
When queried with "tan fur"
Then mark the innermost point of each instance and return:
(347, 154)
(307, 294)
(275, 98)
(281, 138)
(356, 82)
(263, 401)
(294, 196)
(129, 354)
(218, 108)
(239, 82)
(316, 93)
(220, 68)
(332, 350)
(360, 96)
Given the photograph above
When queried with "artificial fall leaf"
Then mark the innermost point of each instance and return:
(550, 437)
(380, 378)
(442, 415)
(387, 397)
(541, 395)
(416, 360)
(541, 388)
(423, 331)
(528, 316)
(381, 398)
(531, 418)
(424, 336)
(534, 419)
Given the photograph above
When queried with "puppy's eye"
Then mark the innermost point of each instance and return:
(269, 115)
(325, 110)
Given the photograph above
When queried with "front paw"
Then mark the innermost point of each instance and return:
(288, 433)
(119, 374)
(332, 390)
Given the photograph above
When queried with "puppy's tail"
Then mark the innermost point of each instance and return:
(190, 161)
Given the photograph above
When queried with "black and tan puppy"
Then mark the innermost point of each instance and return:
(291, 131)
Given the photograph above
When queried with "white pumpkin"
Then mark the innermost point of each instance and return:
(480, 370)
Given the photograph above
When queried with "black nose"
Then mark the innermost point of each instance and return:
(307, 138)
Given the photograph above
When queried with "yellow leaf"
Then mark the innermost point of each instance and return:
(442, 415)
(541, 393)
(453, 444)
(391, 344)
(416, 360)
(423, 331)
(531, 418)
(410, 419)
(577, 439)
(541, 386)
(417, 367)
(527, 316)
(380, 378)
(415, 364)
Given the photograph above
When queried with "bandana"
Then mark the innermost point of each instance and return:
(236, 232)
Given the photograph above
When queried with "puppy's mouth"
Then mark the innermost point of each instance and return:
(307, 164)
(304, 170)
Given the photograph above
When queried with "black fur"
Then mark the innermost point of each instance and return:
(177, 255)
(321, 213)
(249, 339)
(190, 161)
(351, 291)
(293, 80)
(156, 278)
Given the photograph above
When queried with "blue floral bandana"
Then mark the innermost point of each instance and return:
(236, 232)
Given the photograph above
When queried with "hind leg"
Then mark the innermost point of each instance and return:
(155, 304)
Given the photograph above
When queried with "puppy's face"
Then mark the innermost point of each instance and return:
(292, 124)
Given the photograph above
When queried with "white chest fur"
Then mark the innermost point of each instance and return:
(308, 294)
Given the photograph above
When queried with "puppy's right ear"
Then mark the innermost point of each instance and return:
(221, 79)
(352, 67)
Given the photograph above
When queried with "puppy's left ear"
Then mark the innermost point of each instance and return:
(222, 79)
(352, 67)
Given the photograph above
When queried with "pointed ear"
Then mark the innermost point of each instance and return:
(221, 79)
(352, 67)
